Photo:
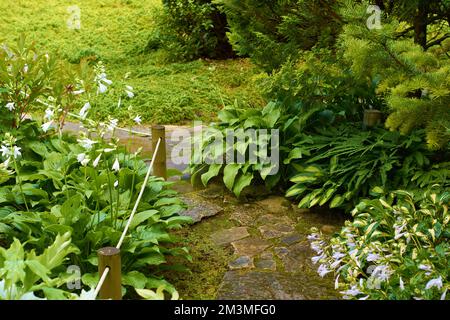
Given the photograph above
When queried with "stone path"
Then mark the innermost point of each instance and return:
(272, 258)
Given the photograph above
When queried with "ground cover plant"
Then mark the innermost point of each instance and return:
(65, 197)
(165, 92)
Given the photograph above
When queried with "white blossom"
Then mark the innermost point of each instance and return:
(116, 165)
(137, 119)
(116, 184)
(46, 126)
(402, 284)
(323, 270)
(10, 106)
(96, 161)
(6, 152)
(353, 291)
(87, 143)
(434, 283)
(49, 113)
(371, 257)
(113, 124)
(84, 111)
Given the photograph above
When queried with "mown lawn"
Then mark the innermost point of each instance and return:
(117, 32)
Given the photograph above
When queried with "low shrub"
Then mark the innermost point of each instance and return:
(397, 247)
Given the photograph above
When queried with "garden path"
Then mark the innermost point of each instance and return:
(265, 235)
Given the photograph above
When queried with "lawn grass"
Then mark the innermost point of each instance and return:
(116, 32)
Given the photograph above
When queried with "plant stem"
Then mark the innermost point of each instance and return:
(20, 184)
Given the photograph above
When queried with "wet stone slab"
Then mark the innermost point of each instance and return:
(260, 285)
(266, 262)
(227, 236)
(275, 205)
(250, 246)
(296, 258)
(275, 231)
(244, 262)
(199, 209)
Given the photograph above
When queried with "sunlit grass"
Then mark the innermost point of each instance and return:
(117, 32)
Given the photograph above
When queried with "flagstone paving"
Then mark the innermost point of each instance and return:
(271, 257)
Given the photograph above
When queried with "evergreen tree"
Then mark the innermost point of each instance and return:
(271, 32)
(414, 83)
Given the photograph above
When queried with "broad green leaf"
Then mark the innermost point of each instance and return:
(213, 171)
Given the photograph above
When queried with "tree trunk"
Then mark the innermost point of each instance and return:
(421, 23)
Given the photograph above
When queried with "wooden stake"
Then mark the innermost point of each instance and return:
(109, 257)
(160, 165)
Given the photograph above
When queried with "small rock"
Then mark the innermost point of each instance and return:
(275, 204)
(266, 262)
(198, 208)
(291, 239)
(250, 246)
(244, 262)
(275, 231)
(270, 219)
(281, 251)
(227, 236)
(327, 229)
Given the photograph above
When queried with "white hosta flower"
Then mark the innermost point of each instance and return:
(434, 283)
(371, 257)
(102, 88)
(402, 284)
(25, 68)
(116, 184)
(382, 273)
(138, 120)
(10, 106)
(116, 165)
(46, 126)
(49, 113)
(113, 124)
(426, 268)
(16, 152)
(316, 259)
(84, 111)
(81, 157)
(130, 94)
(313, 237)
(6, 152)
(323, 270)
(336, 282)
(336, 264)
(338, 255)
(78, 92)
(353, 291)
(87, 295)
(443, 296)
(87, 143)
(96, 161)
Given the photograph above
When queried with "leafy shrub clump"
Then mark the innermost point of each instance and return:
(73, 194)
(397, 247)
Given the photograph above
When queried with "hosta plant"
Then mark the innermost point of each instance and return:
(396, 247)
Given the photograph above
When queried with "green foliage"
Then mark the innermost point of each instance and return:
(116, 32)
(84, 187)
(214, 149)
(24, 273)
(339, 166)
(396, 248)
(190, 29)
(272, 32)
(413, 82)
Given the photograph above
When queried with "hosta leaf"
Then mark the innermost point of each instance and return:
(229, 174)
(213, 171)
(141, 217)
(134, 279)
(296, 190)
(243, 181)
(337, 201)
